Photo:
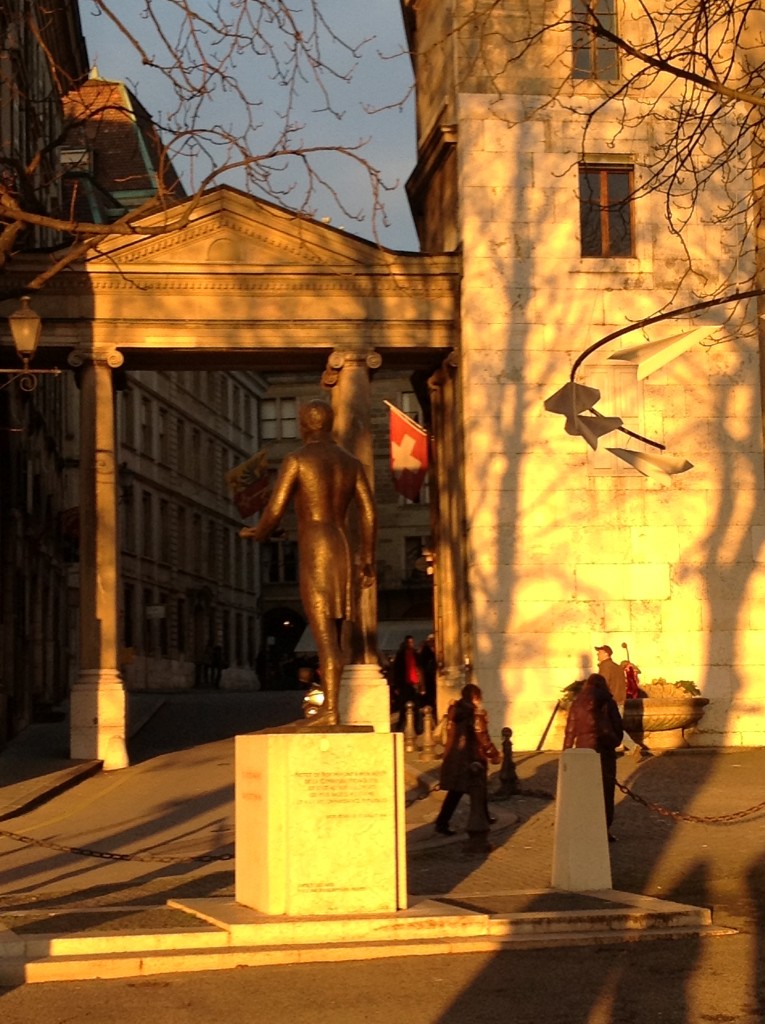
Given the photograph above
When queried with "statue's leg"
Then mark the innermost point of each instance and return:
(326, 634)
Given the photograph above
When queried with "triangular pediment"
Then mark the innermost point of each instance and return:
(227, 228)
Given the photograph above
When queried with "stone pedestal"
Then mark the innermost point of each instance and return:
(365, 697)
(581, 861)
(320, 826)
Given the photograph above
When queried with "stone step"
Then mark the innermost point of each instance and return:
(420, 931)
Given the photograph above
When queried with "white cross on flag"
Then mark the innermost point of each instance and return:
(408, 453)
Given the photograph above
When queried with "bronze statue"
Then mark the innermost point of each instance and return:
(323, 478)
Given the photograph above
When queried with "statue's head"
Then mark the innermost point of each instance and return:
(316, 417)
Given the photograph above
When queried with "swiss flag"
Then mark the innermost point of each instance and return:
(408, 453)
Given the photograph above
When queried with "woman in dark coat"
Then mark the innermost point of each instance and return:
(467, 753)
(594, 722)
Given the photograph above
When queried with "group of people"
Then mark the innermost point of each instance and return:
(594, 722)
(412, 677)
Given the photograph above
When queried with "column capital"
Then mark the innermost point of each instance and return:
(110, 357)
(349, 358)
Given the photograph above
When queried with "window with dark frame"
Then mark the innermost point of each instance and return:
(128, 620)
(279, 561)
(594, 56)
(278, 419)
(605, 210)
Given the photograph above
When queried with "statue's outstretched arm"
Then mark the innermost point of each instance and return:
(277, 503)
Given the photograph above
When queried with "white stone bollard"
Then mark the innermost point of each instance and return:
(581, 860)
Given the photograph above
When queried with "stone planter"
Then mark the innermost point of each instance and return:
(660, 722)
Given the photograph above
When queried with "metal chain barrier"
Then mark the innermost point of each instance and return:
(212, 858)
(697, 819)
(146, 858)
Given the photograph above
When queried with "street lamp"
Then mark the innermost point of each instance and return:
(26, 328)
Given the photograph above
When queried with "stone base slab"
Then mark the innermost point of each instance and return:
(234, 936)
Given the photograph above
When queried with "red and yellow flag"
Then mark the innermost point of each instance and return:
(250, 484)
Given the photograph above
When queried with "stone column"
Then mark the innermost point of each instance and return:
(348, 378)
(450, 593)
(98, 712)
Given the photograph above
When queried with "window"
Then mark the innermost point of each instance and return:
(162, 438)
(164, 530)
(605, 210)
(128, 517)
(279, 561)
(225, 543)
(164, 637)
(195, 449)
(148, 601)
(146, 428)
(212, 562)
(594, 56)
(278, 419)
(181, 543)
(239, 639)
(250, 640)
(180, 625)
(123, 414)
(180, 444)
(147, 525)
(128, 620)
(196, 537)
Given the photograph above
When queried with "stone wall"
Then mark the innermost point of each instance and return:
(568, 547)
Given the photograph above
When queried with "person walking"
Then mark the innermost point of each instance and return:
(467, 753)
(407, 682)
(594, 723)
(429, 669)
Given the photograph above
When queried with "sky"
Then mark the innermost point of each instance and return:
(380, 78)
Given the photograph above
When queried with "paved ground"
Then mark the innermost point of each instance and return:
(175, 803)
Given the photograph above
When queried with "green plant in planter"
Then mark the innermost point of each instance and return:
(656, 688)
(681, 688)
